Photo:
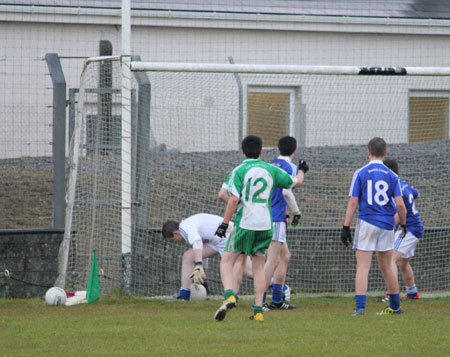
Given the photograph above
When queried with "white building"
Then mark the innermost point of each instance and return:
(318, 111)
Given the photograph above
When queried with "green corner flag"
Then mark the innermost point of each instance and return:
(93, 287)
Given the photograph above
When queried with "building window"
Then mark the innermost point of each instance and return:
(428, 118)
(271, 113)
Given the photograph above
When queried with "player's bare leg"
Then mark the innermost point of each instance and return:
(389, 271)
(259, 285)
(279, 277)
(226, 273)
(273, 259)
(238, 271)
(406, 271)
(363, 263)
(390, 275)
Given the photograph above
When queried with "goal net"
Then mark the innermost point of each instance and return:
(187, 122)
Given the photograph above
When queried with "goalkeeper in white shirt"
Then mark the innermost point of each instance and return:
(199, 231)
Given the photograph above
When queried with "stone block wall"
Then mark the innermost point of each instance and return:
(31, 258)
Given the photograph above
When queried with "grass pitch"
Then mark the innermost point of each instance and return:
(130, 326)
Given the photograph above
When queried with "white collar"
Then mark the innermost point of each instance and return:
(285, 158)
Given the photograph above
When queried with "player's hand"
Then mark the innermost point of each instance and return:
(198, 275)
(346, 236)
(296, 219)
(287, 220)
(222, 230)
(303, 166)
(403, 230)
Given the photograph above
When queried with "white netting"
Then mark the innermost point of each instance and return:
(186, 130)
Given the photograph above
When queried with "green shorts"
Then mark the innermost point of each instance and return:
(249, 242)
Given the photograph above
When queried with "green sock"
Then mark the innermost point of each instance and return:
(237, 297)
(257, 309)
(228, 293)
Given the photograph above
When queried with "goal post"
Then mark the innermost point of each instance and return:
(191, 128)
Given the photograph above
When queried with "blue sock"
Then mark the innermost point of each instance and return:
(411, 291)
(277, 293)
(185, 294)
(264, 298)
(360, 302)
(394, 301)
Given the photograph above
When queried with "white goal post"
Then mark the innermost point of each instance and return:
(172, 143)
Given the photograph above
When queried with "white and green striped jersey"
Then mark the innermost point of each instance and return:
(253, 182)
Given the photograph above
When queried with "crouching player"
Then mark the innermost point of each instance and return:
(199, 231)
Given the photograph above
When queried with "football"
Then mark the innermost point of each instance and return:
(198, 292)
(55, 296)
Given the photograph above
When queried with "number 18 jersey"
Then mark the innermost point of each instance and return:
(375, 185)
(253, 182)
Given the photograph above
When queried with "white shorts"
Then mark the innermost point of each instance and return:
(372, 238)
(218, 247)
(406, 245)
(219, 244)
(279, 232)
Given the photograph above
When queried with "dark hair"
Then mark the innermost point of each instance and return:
(287, 145)
(392, 164)
(168, 228)
(377, 147)
(252, 146)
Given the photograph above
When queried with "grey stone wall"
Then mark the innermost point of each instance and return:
(31, 257)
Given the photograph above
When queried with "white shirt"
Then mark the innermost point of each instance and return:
(201, 228)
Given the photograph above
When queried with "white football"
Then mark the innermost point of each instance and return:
(55, 296)
(198, 292)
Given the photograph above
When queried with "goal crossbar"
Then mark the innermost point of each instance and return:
(288, 69)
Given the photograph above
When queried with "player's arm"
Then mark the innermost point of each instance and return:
(350, 211)
(396, 219)
(198, 274)
(303, 168)
(229, 211)
(223, 194)
(290, 200)
(346, 236)
(292, 206)
(401, 209)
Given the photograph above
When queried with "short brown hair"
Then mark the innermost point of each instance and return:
(377, 147)
(392, 164)
(168, 228)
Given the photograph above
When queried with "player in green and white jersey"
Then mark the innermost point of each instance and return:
(251, 186)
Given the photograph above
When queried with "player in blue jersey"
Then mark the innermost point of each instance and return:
(374, 189)
(278, 253)
(405, 247)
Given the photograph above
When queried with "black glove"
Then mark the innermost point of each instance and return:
(303, 166)
(346, 236)
(222, 230)
(403, 229)
(296, 219)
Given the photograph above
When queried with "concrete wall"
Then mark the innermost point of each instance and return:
(31, 257)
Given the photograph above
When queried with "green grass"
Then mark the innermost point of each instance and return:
(129, 326)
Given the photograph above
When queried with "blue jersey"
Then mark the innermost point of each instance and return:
(278, 202)
(375, 185)
(413, 221)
